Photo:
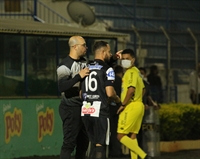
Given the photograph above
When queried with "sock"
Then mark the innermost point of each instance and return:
(133, 146)
(100, 152)
(92, 151)
(133, 154)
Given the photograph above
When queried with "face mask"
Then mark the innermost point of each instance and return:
(145, 79)
(126, 63)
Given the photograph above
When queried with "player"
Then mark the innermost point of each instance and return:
(132, 109)
(95, 91)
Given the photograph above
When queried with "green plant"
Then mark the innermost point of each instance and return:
(179, 122)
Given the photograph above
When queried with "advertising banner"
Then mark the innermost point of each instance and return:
(30, 127)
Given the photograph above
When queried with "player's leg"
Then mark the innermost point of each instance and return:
(82, 143)
(82, 139)
(68, 138)
(89, 127)
(101, 128)
(133, 154)
(128, 121)
(115, 149)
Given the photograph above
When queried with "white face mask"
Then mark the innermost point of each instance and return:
(126, 63)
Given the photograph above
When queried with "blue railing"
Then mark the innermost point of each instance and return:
(49, 15)
(30, 10)
(127, 11)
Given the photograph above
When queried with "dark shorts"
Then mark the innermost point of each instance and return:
(96, 128)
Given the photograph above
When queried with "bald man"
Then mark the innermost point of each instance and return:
(70, 71)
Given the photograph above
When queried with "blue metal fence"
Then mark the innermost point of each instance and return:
(30, 10)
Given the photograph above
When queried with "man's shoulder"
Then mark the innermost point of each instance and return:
(65, 61)
(99, 65)
(132, 70)
(68, 61)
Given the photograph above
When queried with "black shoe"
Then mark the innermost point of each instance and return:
(114, 156)
(119, 156)
(124, 156)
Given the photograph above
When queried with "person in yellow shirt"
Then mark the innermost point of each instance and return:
(132, 109)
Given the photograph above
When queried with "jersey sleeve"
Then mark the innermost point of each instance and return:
(110, 77)
(131, 79)
(64, 80)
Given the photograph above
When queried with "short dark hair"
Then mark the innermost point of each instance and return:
(143, 69)
(129, 51)
(118, 69)
(99, 44)
(153, 68)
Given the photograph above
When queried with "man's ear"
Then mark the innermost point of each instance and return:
(133, 60)
(104, 52)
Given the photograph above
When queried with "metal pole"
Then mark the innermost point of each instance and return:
(35, 9)
(169, 62)
(25, 67)
(139, 44)
(134, 22)
(167, 17)
(196, 61)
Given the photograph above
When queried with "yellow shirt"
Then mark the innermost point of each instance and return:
(132, 78)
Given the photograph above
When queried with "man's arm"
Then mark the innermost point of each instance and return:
(114, 58)
(129, 94)
(110, 91)
(64, 80)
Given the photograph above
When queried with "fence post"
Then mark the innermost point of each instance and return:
(141, 60)
(196, 62)
(168, 63)
(35, 9)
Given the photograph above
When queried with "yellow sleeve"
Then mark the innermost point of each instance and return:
(132, 79)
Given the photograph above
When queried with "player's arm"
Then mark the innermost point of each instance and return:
(110, 91)
(129, 94)
(132, 79)
(64, 80)
(114, 58)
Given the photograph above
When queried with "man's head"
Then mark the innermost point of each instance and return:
(101, 50)
(154, 69)
(77, 46)
(143, 71)
(128, 58)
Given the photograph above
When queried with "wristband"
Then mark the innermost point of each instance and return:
(123, 105)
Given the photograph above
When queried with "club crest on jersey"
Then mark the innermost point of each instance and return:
(110, 74)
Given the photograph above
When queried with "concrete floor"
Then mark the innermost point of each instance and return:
(189, 154)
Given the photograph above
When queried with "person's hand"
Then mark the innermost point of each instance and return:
(119, 54)
(146, 106)
(121, 108)
(157, 107)
(84, 72)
